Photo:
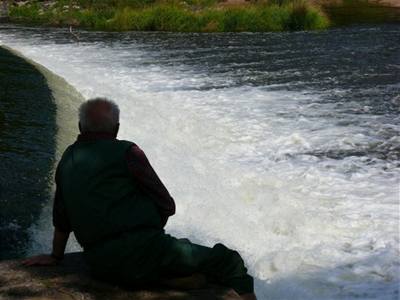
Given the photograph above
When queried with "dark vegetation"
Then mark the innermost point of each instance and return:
(360, 12)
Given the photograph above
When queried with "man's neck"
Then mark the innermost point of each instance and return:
(94, 136)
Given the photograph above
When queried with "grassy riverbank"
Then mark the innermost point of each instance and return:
(185, 16)
(204, 15)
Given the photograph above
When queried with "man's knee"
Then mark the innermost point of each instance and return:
(230, 260)
(232, 270)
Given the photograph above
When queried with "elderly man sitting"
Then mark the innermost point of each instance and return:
(111, 198)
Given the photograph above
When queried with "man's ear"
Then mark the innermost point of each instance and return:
(116, 129)
(80, 127)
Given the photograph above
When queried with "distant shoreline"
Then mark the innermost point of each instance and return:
(204, 15)
(172, 15)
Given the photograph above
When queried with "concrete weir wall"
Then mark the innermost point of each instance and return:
(67, 100)
(38, 119)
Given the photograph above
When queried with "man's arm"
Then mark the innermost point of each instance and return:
(60, 240)
(62, 229)
(149, 181)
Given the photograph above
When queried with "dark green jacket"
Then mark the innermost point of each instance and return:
(101, 198)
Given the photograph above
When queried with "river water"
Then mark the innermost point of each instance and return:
(284, 146)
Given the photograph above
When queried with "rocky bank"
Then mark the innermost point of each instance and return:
(71, 280)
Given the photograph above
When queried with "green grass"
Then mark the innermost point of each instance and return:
(198, 16)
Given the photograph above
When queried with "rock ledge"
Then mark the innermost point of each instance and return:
(71, 280)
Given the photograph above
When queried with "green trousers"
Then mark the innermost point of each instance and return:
(144, 257)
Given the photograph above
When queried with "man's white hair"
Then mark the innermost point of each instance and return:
(94, 118)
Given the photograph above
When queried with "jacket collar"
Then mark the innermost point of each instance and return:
(94, 136)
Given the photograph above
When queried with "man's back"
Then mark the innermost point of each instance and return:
(100, 196)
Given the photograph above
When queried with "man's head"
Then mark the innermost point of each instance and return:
(99, 115)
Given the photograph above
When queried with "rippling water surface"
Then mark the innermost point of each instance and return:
(284, 146)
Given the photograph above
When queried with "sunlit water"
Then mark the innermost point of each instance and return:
(284, 146)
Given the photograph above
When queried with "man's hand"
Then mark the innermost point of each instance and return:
(40, 260)
(59, 241)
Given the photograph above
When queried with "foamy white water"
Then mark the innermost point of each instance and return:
(252, 166)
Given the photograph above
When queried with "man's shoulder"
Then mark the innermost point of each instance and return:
(126, 142)
(116, 146)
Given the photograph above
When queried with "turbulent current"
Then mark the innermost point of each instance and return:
(283, 146)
